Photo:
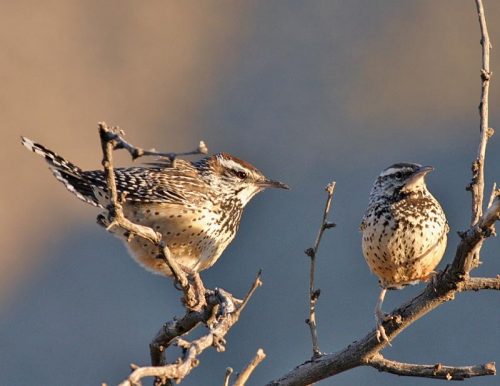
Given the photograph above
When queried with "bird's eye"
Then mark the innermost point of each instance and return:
(398, 175)
(240, 174)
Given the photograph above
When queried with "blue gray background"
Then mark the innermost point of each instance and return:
(309, 92)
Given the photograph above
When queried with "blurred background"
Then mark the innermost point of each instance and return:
(308, 92)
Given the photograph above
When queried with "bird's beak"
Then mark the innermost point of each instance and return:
(273, 184)
(422, 171)
(418, 175)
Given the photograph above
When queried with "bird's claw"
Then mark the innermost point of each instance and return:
(228, 304)
(380, 332)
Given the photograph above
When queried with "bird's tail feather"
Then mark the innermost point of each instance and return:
(70, 175)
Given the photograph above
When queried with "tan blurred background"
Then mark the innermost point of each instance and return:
(307, 91)
(67, 65)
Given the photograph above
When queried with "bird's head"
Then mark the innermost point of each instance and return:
(401, 178)
(237, 178)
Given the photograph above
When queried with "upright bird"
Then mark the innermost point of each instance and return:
(404, 231)
(195, 206)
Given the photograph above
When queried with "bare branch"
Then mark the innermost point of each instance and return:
(190, 282)
(179, 327)
(256, 284)
(477, 184)
(227, 376)
(473, 238)
(494, 193)
(437, 371)
(311, 252)
(115, 210)
(245, 374)
(218, 325)
(443, 289)
(481, 283)
(116, 136)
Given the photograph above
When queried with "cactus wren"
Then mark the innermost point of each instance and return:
(196, 207)
(404, 230)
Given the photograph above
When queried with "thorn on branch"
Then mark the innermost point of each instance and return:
(329, 225)
(486, 75)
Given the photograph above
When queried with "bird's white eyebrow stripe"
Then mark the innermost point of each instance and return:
(389, 172)
(230, 164)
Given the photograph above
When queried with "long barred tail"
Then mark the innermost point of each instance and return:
(75, 179)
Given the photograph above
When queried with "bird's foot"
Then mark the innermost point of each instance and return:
(228, 302)
(381, 335)
(380, 317)
(380, 331)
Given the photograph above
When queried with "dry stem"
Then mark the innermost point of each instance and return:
(227, 376)
(119, 143)
(477, 184)
(247, 371)
(218, 326)
(437, 371)
(312, 252)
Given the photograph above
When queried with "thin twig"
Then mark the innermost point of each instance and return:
(256, 284)
(110, 137)
(472, 241)
(312, 252)
(136, 152)
(477, 185)
(494, 193)
(227, 376)
(437, 371)
(245, 374)
(481, 283)
(115, 210)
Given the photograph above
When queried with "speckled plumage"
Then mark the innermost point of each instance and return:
(197, 207)
(404, 231)
(404, 228)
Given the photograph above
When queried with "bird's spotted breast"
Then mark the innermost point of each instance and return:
(404, 240)
(190, 232)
